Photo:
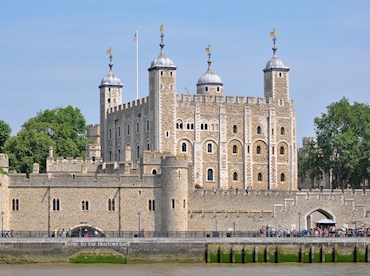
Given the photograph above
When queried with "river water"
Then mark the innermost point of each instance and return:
(185, 269)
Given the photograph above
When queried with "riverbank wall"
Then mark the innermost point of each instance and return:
(207, 250)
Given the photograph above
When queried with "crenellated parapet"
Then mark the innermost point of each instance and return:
(4, 162)
(129, 105)
(72, 165)
(197, 98)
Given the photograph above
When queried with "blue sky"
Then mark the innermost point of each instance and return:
(53, 53)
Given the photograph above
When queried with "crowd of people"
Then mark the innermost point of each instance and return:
(330, 231)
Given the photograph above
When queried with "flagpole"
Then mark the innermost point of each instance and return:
(137, 64)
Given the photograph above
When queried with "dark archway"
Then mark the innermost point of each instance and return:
(86, 231)
(317, 214)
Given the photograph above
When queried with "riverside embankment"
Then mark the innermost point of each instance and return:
(146, 250)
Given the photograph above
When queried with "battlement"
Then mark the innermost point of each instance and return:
(4, 161)
(152, 157)
(93, 130)
(128, 105)
(180, 160)
(198, 98)
(72, 165)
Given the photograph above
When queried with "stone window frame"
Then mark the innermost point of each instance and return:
(154, 171)
(282, 150)
(173, 205)
(184, 145)
(56, 204)
(85, 205)
(259, 130)
(235, 149)
(209, 148)
(235, 129)
(210, 172)
(258, 150)
(282, 177)
(119, 154)
(235, 176)
(15, 204)
(282, 131)
(151, 205)
(259, 177)
(111, 205)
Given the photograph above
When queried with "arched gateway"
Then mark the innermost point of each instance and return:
(85, 230)
(316, 215)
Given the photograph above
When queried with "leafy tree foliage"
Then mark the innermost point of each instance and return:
(342, 143)
(62, 128)
(5, 132)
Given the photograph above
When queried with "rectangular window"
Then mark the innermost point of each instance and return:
(184, 204)
(150, 205)
(56, 204)
(173, 204)
(15, 204)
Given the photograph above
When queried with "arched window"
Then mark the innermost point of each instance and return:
(192, 126)
(148, 146)
(259, 178)
(282, 177)
(137, 151)
(154, 171)
(119, 154)
(188, 126)
(235, 149)
(184, 147)
(210, 174)
(209, 147)
(110, 155)
(235, 129)
(282, 150)
(205, 126)
(258, 150)
(258, 130)
(235, 176)
(282, 131)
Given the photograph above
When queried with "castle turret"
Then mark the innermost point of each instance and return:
(276, 76)
(174, 202)
(110, 96)
(162, 101)
(210, 83)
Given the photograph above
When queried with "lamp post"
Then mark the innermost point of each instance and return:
(2, 224)
(138, 214)
(299, 224)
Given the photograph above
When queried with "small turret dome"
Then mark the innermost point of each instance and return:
(111, 79)
(162, 61)
(209, 78)
(275, 63)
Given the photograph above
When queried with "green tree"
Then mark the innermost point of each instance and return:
(342, 143)
(5, 132)
(62, 128)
